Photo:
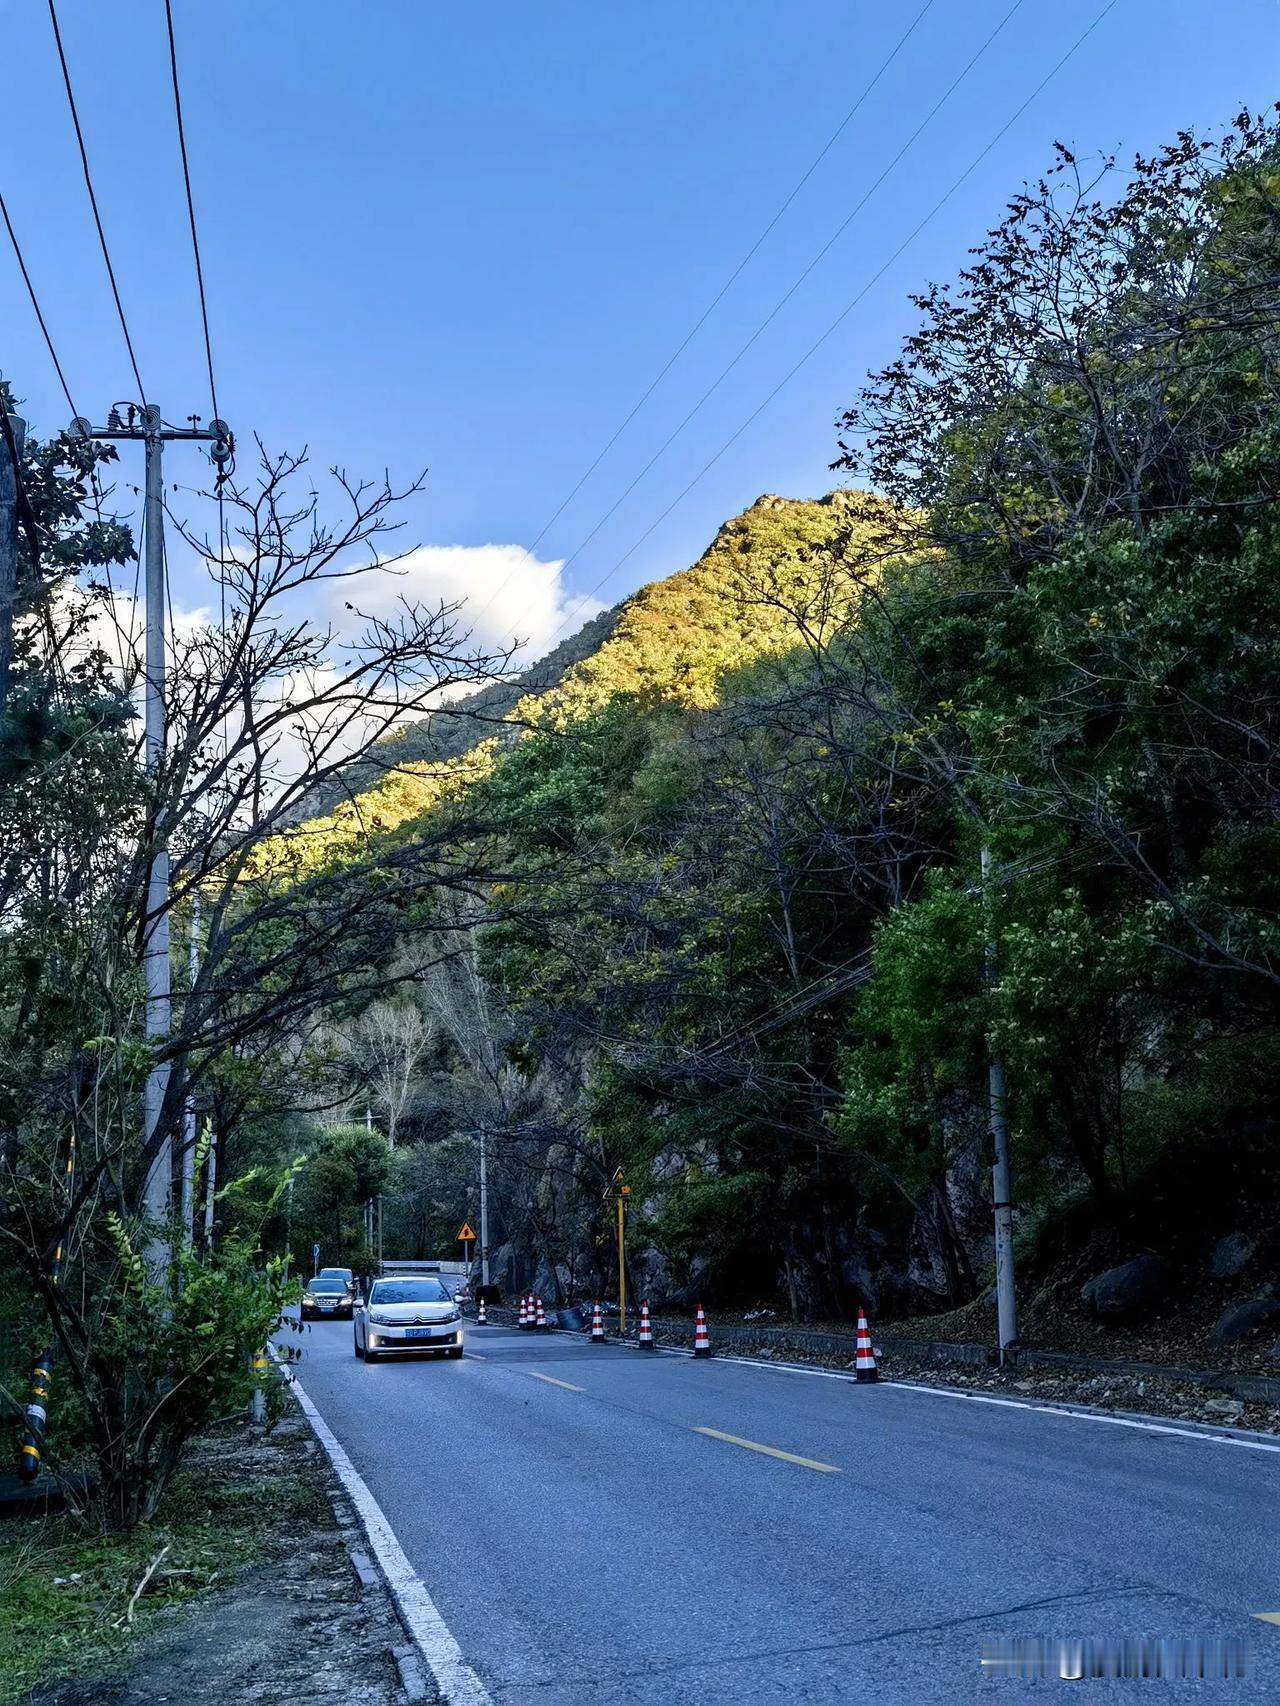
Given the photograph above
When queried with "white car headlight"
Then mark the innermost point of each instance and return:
(379, 1320)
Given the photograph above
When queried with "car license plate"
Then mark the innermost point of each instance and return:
(418, 1332)
(327, 1308)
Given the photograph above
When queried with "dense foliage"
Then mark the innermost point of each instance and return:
(743, 932)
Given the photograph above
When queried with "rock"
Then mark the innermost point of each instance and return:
(1244, 1318)
(651, 1273)
(502, 1269)
(1225, 1407)
(1231, 1255)
(1128, 1289)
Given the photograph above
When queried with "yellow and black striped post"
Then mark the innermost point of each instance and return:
(31, 1449)
(258, 1363)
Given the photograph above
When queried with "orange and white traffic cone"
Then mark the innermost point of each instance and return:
(482, 1320)
(524, 1311)
(866, 1366)
(597, 1325)
(540, 1320)
(645, 1340)
(701, 1343)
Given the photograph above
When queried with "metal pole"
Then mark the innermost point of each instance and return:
(155, 953)
(189, 1118)
(1006, 1299)
(8, 547)
(484, 1214)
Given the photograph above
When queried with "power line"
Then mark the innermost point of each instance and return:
(795, 286)
(840, 318)
(35, 303)
(93, 200)
(204, 319)
(722, 292)
(191, 206)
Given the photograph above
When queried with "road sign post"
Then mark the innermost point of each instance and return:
(620, 1190)
(315, 1260)
(467, 1238)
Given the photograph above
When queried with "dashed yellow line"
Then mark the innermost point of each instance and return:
(552, 1381)
(1268, 1616)
(770, 1451)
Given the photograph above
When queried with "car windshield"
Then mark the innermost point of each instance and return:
(410, 1291)
(326, 1284)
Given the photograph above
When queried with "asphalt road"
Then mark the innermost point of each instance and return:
(588, 1544)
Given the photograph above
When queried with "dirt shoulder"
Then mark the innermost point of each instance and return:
(254, 1601)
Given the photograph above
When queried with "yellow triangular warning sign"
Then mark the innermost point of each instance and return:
(465, 1233)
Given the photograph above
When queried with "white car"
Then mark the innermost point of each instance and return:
(410, 1313)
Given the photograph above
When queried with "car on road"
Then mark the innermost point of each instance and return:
(328, 1297)
(410, 1313)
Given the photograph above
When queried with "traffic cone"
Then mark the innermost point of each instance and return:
(866, 1356)
(482, 1320)
(701, 1343)
(646, 1331)
(524, 1312)
(540, 1320)
(597, 1325)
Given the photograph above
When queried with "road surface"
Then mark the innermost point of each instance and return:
(601, 1525)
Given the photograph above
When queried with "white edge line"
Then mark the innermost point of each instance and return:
(1072, 1413)
(458, 1683)
(1082, 1415)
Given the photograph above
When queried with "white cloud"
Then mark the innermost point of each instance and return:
(503, 591)
(506, 594)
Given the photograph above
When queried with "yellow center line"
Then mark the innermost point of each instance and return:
(769, 1451)
(1268, 1616)
(552, 1381)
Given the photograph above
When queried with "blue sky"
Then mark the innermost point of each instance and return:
(469, 235)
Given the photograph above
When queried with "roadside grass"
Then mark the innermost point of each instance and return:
(65, 1594)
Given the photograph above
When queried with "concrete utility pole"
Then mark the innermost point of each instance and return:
(210, 1187)
(1006, 1300)
(484, 1214)
(189, 1118)
(16, 436)
(147, 425)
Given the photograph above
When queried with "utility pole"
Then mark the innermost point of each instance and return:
(484, 1214)
(147, 425)
(14, 439)
(1006, 1300)
(189, 1119)
(210, 1186)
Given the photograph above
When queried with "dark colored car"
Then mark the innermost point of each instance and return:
(328, 1297)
